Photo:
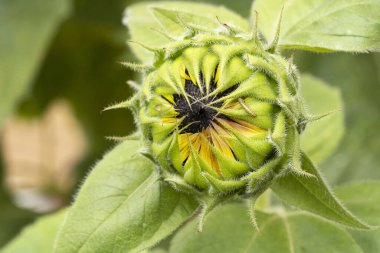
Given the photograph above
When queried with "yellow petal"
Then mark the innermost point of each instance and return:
(169, 98)
(220, 144)
(206, 154)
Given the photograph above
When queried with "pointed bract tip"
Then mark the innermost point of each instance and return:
(149, 48)
(274, 44)
(312, 118)
(252, 213)
(300, 172)
(255, 23)
(133, 85)
(122, 105)
(134, 137)
(136, 66)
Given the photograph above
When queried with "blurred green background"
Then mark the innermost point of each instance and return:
(62, 50)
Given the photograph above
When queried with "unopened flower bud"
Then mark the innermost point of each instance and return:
(221, 112)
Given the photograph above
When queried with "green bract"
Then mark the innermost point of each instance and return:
(219, 110)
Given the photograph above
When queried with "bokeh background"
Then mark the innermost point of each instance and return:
(59, 69)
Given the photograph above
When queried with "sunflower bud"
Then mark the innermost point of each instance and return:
(219, 110)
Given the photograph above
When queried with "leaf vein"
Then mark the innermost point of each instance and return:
(115, 209)
(303, 21)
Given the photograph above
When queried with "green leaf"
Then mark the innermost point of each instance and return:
(237, 6)
(157, 251)
(27, 27)
(363, 199)
(143, 25)
(369, 241)
(301, 232)
(358, 78)
(321, 138)
(313, 194)
(122, 206)
(228, 229)
(323, 25)
(38, 237)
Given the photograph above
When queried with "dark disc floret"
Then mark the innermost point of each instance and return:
(198, 111)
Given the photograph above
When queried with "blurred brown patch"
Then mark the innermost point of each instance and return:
(40, 156)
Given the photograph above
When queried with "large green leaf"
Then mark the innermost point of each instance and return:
(323, 25)
(38, 237)
(358, 78)
(313, 194)
(142, 23)
(369, 241)
(237, 6)
(300, 232)
(363, 198)
(228, 229)
(155, 251)
(321, 138)
(122, 206)
(26, 30)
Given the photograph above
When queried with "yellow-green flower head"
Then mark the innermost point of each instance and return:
(220, 111)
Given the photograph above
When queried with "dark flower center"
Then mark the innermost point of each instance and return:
(197, 112)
